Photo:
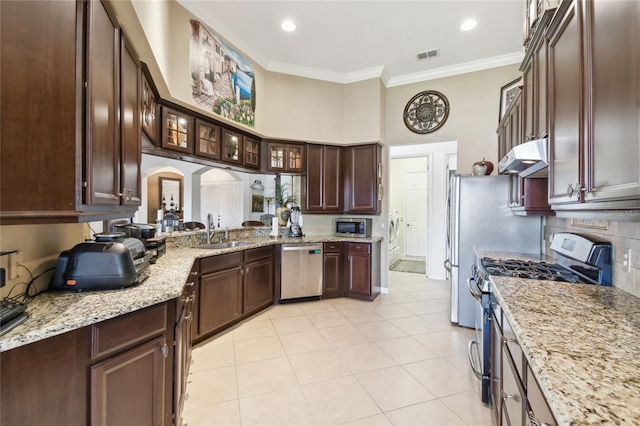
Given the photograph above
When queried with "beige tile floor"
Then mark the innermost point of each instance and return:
(394, 361)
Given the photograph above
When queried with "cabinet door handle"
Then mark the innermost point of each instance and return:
(189, 317)
(165, 350)
(508, 339)
(534, 420)
(242, 272)
(506, 396)
(190, 284)
(126, 194)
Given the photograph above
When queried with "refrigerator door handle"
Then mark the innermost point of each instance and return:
(447, 265)
(475, 295)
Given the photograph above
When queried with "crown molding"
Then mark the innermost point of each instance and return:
(317, 74)
(496, 61)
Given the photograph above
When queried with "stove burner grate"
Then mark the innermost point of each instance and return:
(529, 270)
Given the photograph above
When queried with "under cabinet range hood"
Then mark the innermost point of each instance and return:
(526, 159)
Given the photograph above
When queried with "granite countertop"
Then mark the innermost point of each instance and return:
(52, 313)
(583, 344)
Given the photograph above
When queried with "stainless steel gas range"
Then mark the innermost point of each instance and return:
(580, 260)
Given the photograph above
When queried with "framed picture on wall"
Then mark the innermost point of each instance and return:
(507, 93)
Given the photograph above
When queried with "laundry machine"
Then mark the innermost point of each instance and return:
(394, 231)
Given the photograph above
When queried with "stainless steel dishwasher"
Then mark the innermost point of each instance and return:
(301, 271)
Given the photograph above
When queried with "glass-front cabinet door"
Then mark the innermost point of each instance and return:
(231, 146)
(285, 157)
(251, 152)
(208, 138)
(177, 131)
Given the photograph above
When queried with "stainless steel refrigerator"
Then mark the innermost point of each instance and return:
(479, 217)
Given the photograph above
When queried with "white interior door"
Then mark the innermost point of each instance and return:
(416, 214)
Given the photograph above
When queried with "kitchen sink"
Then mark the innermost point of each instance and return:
(228, 244)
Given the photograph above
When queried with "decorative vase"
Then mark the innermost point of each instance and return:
(283, 213)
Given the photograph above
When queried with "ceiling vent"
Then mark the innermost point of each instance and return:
(428, 54)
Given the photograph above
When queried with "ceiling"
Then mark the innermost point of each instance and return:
(347, 41)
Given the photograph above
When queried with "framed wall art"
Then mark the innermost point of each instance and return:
(507, 93)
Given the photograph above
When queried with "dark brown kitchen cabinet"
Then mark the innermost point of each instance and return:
(362, 169)
(363, 276)
(208, 139)
(534, 80)
(82, 99)
(131, 365)
(285, 157)
(251, 149)
(220, 292)
(258, 279)
(333, 270)
(510, 130)
(232, 286)
(594, 136)
(114, 372)
(113, 113)
(322, 184)
(52, 372)
(529, 196)
(516, 396)
(150, 107)
(182, 341)
(231, 146)
(177, 131)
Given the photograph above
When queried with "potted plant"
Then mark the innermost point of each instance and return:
(283, 200)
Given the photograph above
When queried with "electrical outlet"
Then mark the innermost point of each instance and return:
(626, 261)
(15, 259)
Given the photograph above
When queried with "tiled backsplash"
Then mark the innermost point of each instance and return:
(623, 236)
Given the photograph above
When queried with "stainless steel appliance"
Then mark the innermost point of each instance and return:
(301, 271)
(580, 260)
(103, 265)
(353, 227)
(527, 159)
(478, 217)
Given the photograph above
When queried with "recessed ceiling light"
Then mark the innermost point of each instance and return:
(469, 24)
(288, 26)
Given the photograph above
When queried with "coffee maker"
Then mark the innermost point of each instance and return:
(295, 219)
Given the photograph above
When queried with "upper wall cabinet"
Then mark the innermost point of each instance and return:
(208, 137)
(61, 162)
(251, 149)
(285, 157)
(177, 131)
(231, 146)
(150, 107)
(363, 179)
(323, 183)
(594, 120)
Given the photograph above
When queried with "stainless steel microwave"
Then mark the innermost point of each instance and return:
(353, 227)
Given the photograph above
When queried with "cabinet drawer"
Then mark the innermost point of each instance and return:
(537, 402)
(358, 248)
(112, 335)
(252, 255)
(512, 394)
(221, 262)
(332, 247)
(513, 347)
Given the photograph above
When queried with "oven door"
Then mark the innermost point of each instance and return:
(479, 349)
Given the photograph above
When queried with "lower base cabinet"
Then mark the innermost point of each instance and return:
(128, 389)
(332, 270)
(232, 287)
(116, 372)
(516, 396)
(363, 271)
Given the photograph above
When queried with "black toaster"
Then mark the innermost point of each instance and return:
(102, 266)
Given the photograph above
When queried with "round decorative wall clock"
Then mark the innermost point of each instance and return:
(426, 112)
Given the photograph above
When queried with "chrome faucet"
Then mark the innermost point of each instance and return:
(210, 227)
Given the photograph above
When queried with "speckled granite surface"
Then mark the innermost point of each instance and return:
(53, 313)
(583, 345)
